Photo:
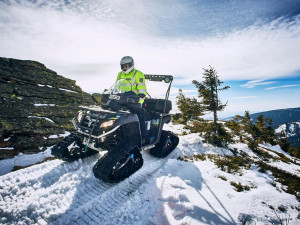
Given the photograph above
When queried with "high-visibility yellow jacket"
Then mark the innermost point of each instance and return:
(134, 81)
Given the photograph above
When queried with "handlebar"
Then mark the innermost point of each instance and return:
(117, 101)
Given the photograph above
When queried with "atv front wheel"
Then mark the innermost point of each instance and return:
(167, 143)
(119, 163)
(71, 149)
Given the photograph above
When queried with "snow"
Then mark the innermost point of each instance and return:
(39, 104)
(62, 89)
(42, 85)
(57, 135)
(289, 129)
(54, 136)
(291, 168)
(292, 128)
(192, 193)
(67, 133)
(40, 117)
(163, 191)
(242, 147)
(276, 148)
(281, 128)
(7, 148)
(7, 165)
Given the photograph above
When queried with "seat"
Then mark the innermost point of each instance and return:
(157, 105)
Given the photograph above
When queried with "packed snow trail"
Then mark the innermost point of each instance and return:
(57, 192)
(163, 191)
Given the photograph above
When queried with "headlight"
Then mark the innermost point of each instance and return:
(79, 116)
(107, 123)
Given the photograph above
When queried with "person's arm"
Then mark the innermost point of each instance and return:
(141, 86)
(119, 75)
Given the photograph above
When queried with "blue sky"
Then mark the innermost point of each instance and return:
(253, 44)
(253, 95)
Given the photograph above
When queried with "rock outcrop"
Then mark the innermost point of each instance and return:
(36, 104)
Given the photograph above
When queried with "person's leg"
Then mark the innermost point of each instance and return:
(141, 116)
(139, 111)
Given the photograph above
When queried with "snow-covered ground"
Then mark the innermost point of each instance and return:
(290, 129)
(23, 160)
(163, 191)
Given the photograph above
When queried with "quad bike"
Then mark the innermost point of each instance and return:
(114, 128)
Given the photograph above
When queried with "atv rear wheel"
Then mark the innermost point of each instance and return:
(119, 163)
(71, 149)
(167, 143)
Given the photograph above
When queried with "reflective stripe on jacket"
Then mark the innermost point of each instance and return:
(135, 81)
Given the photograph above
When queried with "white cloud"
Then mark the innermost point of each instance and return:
(254, 83)
(244, 97)
(283, 86)
(87, 47)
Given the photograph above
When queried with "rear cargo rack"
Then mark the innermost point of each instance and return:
(153, 77)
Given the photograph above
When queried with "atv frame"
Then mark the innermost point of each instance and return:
(87, 133)
(116, 129)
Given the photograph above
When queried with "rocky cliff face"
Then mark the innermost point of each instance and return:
(36, 103)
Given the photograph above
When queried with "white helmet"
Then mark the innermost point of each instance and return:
(127, 64)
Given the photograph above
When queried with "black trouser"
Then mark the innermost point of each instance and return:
(138, 109)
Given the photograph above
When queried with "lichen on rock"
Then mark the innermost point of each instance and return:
(36, 102)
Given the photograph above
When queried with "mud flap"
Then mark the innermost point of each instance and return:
(71, 149)
(167, 143)
(119, 163)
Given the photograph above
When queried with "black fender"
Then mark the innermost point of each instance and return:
(131, 129)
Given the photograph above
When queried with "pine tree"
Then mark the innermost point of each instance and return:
(260, 131)
(209, 92)
(217, 135)
(283, 142)
(248, 126)
(190, 108)
(295, 151)
(286, 146)
(266, 132)
(235, 125)
(246, 121)
(252, 130)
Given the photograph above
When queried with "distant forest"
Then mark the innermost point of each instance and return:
(280, 116)
(283, 116)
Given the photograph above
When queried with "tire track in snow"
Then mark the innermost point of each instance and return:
(19, 197)
(48, 173)
(57, 192)
(100, 209)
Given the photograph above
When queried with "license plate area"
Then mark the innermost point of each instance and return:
(114, 97)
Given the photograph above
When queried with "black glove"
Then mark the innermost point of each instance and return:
(141, 95)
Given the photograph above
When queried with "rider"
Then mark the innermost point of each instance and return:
(135, 81)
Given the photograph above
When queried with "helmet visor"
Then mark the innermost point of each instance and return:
(126, 66)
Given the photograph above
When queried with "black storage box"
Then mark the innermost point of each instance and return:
(157, 105)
